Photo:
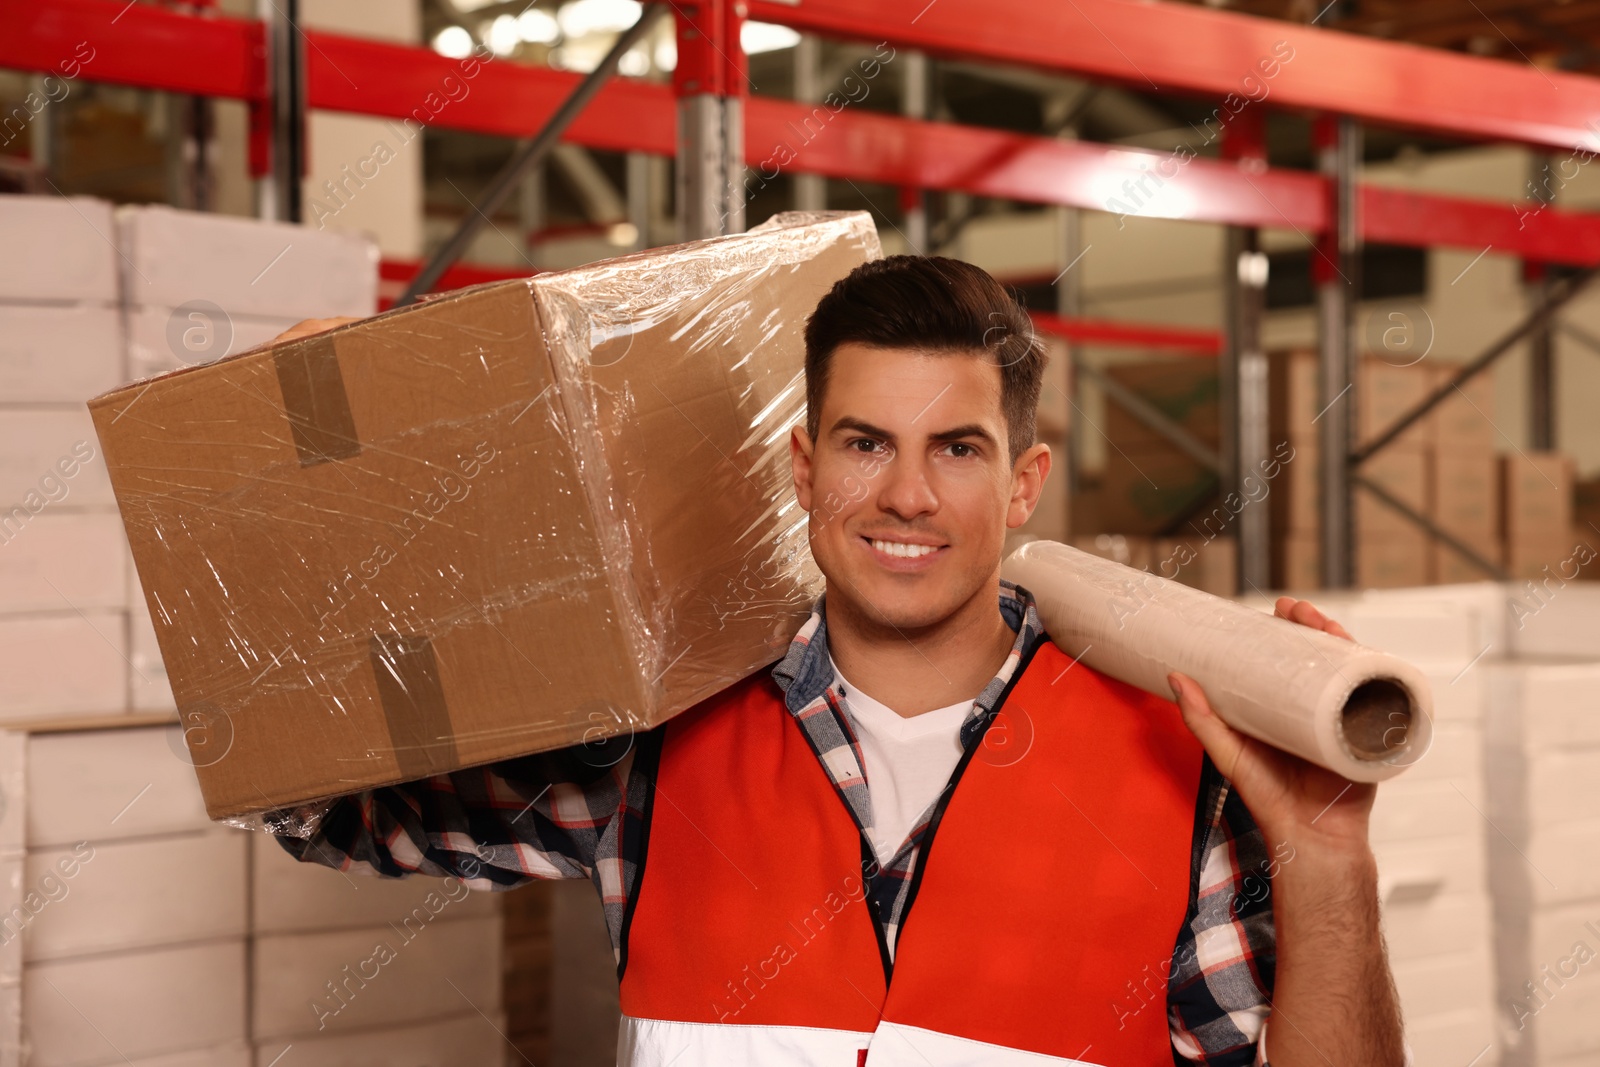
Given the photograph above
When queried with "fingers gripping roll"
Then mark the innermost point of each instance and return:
(1358, 712)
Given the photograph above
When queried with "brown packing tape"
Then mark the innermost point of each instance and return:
(315, 401)
(409, 688)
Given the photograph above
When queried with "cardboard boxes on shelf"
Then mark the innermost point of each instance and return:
(188, 943)
(510, 519)
(1464, 489)
(1536, 511)
(1148, 481)
(63, 570)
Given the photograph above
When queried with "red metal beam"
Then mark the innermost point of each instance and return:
(148, 46)
(394, 274)
(874, 147)
(1128, 335)
(493, 96)
(1165, 47)
(1544, 235)
(137, 45)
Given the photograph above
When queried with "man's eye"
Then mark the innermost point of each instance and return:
(865, 444)
(962, 451)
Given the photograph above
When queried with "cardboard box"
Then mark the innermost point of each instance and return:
(291, 973)
(466, 1040)
(60, 560)
(59, 354)
(1184, 390)
(162, 339)
(1297, 561)
(511, 519)
(49, 459)
(58, 249)
(1463, 495)
(1146, 492)
(1550, 559)
(1211, 565)
(1403, 472)
(1536, 495)
(126, 895)
(1294, 396)
(301, 898)
(144, 1004)
(1386, 392)
(1393, 559)
(63, 663)
(1464, 421)
(1128, 550)
(1294, 491)
(243, 266)
(1449, 567)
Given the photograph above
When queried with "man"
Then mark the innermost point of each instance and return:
(927, 835)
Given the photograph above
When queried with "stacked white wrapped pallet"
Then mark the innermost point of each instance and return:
(199, 287)
(1428, 828)
(1543, 760)
(125, 922)
(63, 572)
(134, 931)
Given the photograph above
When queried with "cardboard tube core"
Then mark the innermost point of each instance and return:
(1376, 720)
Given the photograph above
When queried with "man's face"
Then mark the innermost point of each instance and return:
(909, 485)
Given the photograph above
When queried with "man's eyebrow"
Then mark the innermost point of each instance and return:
(958, 432)
(850, 422)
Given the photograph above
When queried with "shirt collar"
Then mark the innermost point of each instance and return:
(806, 670)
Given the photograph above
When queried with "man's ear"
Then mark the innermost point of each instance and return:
(1027, 483)
(800, 447)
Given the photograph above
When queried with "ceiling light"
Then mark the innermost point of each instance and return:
(504, 35)
(538, 27)
(582, 17)
(667, 54)
(758, 37)
(453, 41)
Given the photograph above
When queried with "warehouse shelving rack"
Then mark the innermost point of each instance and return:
(715, 129)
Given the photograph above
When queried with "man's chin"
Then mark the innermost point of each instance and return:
(883, 604)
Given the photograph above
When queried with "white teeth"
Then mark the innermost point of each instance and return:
(899, 548)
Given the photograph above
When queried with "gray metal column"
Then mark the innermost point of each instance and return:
(1541, 348)
(710, 165)
(1244, 404)
(281, 194)
(914, 105)
(810, 190)
(1336, 305)
(531, 204)
(640, 202)
(1069, 304)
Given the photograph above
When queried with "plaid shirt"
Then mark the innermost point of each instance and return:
(579, 813)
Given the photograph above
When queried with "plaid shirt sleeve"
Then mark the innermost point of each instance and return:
(559, 814)
(1220, 984)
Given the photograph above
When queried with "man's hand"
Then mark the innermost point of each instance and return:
(1290, 798)
(307, 327)
(1334, 1000)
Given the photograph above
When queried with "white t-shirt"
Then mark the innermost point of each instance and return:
(908, 761)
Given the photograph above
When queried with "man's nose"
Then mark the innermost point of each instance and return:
(907, 490)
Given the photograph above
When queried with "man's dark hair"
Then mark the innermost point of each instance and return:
(935, 305)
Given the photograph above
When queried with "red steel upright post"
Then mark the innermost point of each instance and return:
(710, 81)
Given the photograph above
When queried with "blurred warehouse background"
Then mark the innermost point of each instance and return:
(1223, 215)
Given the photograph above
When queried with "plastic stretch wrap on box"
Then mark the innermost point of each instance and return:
(1361, 713)
(513, 518)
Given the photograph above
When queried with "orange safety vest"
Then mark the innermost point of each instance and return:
(1051, 878)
